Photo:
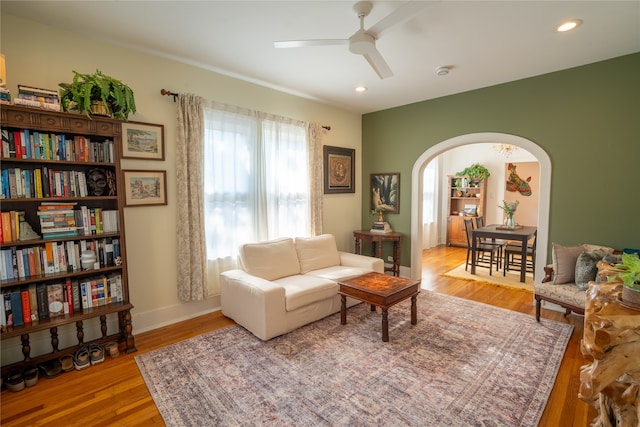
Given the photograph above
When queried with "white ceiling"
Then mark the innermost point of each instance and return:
(485, 43)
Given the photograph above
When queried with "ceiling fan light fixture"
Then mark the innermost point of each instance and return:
(568, 25)
(442, 71)
(361, 43)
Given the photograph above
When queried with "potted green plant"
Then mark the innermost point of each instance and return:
(630, 277)
(97, 94)
(458, 184)
(476, 172)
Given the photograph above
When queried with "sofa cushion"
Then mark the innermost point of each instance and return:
(567, 293)
(586, 267)
(302, 290)
(317, 252)
(564, 262)
(339, 272)
(270, 260)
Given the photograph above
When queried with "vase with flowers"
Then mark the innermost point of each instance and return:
(509, 209)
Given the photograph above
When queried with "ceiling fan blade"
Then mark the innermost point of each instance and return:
(377, 62)
(305, 43)
(397, 17)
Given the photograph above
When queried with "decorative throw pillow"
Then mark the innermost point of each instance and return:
(564, 262)
(612, 259)
(586, 269)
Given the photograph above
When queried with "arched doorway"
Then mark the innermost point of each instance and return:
(484, 137)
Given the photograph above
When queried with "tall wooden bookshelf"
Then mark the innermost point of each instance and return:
(56, 140)
(468, 195)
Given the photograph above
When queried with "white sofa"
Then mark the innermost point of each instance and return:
(287, 283)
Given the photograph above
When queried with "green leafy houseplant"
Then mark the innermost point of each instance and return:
(630, 275)
(475, 172)
(89, 88)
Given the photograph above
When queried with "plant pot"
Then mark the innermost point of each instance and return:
(631, 297)
(99, 108)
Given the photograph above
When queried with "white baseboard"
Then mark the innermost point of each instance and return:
(154, 319)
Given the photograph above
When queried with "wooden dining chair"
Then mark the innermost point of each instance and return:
(482, 249)
(513, 256)
(495, 242)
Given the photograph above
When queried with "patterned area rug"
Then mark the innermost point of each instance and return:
(463, 364)
(511, 279)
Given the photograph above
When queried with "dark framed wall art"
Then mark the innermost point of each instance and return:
(385, 192)
(145, 187)
(142, 141)
(339, 170)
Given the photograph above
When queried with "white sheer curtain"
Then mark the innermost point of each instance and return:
(256, 182)
(430, 198)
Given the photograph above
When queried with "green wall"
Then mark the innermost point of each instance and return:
(587, 119)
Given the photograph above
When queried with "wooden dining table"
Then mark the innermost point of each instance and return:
(521, 234)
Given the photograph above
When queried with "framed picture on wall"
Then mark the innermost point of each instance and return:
(339, 170)
(145, 187)
(385, 192)
(142, 141)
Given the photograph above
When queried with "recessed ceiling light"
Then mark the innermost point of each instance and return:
(361, 89)
(569, 25)
(442, 71)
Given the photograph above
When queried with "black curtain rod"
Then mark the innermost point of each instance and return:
(165, 92)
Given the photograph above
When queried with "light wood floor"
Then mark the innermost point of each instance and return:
(114, 392)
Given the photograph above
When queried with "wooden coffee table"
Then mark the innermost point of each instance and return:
(379, 290)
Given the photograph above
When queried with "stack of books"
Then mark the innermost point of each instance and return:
(37, 97)
(380, 227)
(5, 95)
(57, 220)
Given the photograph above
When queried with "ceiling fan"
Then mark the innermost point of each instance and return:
(363, 42)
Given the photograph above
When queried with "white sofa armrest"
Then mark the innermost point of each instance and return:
(361, 261)
(255, 303)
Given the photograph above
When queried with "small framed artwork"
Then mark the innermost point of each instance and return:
(145, 188)
(339, 170)
(385, 192)
(142, 141)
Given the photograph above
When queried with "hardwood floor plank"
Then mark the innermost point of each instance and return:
(114, 392)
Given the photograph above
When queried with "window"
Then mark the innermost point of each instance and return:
(256, 179)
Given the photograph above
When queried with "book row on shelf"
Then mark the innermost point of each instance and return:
(50, 258)
(34, 145)
(23, 305)
(44, 182)
(57, 223)
(36, 97)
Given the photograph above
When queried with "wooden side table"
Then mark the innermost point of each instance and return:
(376, 240)
(611, 344)
(379, 290)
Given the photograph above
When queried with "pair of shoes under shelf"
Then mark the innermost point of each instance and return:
(18, 379)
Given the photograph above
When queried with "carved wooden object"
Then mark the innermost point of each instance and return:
(611, 343)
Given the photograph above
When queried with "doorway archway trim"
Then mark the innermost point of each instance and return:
(474, 138)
